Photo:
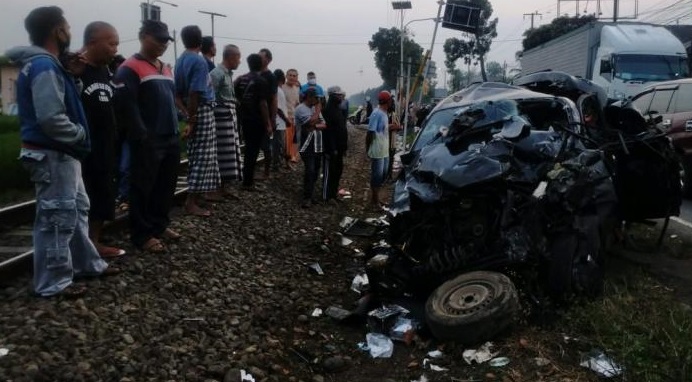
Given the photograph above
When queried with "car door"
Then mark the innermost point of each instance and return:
(680, 119)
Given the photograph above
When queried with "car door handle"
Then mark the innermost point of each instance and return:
(688, 125)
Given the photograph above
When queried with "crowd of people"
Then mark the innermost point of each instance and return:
(92, 119)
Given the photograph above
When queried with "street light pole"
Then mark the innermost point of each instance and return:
(401, 5)
(152, 2)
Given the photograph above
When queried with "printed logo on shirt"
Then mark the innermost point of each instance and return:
(105, 91)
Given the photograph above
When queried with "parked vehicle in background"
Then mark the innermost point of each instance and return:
(622, 58)
(672, 100)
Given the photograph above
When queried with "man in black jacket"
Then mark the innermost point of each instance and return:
(336, 143)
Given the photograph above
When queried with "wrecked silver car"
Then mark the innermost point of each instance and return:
(504, 179)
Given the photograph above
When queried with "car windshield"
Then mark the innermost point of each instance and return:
(641, 67)
(436, 121)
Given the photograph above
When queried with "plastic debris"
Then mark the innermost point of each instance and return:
(380, 345)
(246, 377)
(346, 221)
(481, 355)
(343, 240)
(318, 229)
(404, 330)
(337, 313)
(381, 320)
(363, 346)
(499, 362)
(435, 354)
(317, 312)
(597, 361)
(422, 378)
(673, 236)
(4, 352)
(315, 267)
(360, 283)
(428, 365)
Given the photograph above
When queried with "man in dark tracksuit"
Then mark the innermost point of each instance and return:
(252, 92)
(145, 92)
(335, 143)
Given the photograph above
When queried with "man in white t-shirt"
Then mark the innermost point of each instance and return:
(282, 122)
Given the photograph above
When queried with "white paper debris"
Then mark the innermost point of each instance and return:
(422, 378)
(435, 354)
(601, 364)
(481, 355)
(246, 377)
(317, 312)
(4, 352)
(428, 365)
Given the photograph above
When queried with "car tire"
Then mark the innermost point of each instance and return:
(472, 308)
(576, 266)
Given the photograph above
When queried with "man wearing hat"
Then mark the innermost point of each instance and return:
(335, 143)
(146, 94)
(377, 146)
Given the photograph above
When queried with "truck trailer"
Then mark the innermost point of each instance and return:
(621, 57)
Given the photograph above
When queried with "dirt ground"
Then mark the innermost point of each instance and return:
(237, 294)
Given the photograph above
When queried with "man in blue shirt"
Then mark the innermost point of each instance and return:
(195, 93)
(377, 146)
(54, 138)
(312, 84)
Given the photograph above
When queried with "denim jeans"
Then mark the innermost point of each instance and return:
(278, 148)
(312, 172)
(124, 173)
(378, 171)
(62, 248)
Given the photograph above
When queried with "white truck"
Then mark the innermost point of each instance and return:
(621, 57)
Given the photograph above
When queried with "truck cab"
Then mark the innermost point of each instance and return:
(632, 56)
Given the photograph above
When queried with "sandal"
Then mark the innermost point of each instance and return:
(153, 245)
(71, 292)
(111, 252)
(171, 235)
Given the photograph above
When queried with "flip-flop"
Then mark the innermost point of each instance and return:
(73, 291)
(111, 252)
(153, 245)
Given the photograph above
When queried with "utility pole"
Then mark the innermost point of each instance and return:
(615, 10)
(175, 46)
(212, 14)
(533, 15)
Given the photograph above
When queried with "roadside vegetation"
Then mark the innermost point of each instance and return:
(13, 178)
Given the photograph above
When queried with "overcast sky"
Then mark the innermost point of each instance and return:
(329, 37)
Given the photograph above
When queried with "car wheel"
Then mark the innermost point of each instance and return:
(472, 308)
(576, 266)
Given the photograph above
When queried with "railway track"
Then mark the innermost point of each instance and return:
(16, 223)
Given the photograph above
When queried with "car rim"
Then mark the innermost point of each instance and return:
(468, 298)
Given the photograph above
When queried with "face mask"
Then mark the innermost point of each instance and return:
(312, 81)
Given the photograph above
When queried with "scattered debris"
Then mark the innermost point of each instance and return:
(422, 378)
(360, 283)
(343, 240)
(499, 362)
(381, 320)
(337, 313)
(346, 222)
(4, 352)
(246, 377)
(435, 354)
(673, 236)
(480, 355)
(380, 346)
(427, 364)
(315, 267)
(540, 362)
(317, 312)
(404, 329)
(355, 227)
(597, 361)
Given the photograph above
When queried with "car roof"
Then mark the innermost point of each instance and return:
(668, 83)
(487, 91)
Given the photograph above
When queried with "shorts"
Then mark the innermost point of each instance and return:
(378, 171)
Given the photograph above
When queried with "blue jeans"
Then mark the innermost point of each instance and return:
(62, 248)
(378, 171)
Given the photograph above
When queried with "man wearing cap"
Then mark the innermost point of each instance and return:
(335, 143)
(377, 146)
(145, 93)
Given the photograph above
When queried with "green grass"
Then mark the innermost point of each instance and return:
(641, 325)
(13, 177)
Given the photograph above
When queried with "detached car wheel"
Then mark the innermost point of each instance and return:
(472, 308)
